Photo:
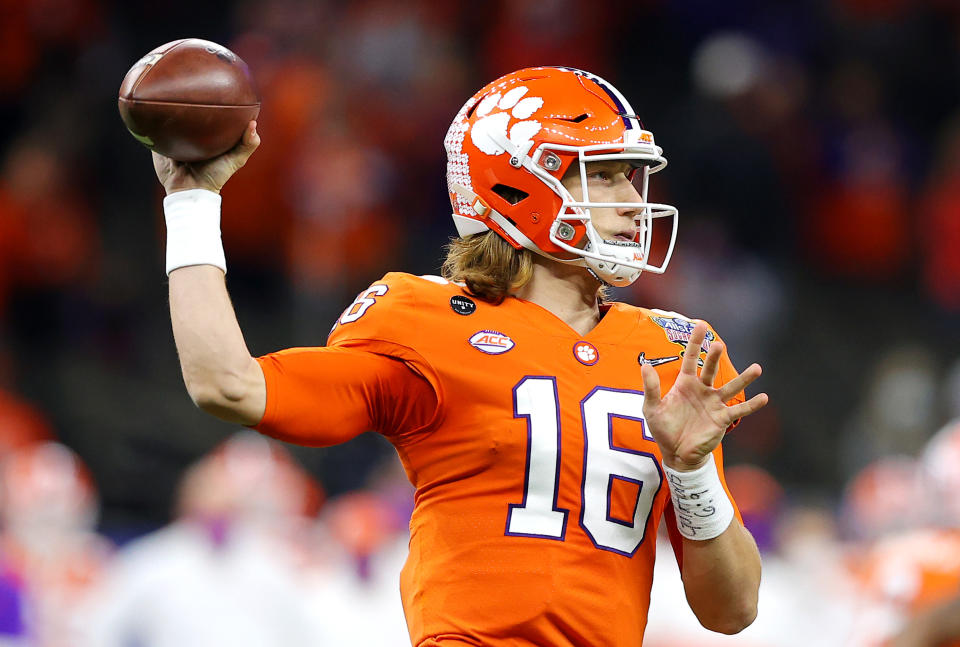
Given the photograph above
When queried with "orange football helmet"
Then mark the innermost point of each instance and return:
(512, 143)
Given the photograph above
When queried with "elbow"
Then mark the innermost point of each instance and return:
(205, 396)
(218, 397)
(731, 620)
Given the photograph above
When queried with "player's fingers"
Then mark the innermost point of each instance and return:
(740, 382)
(711, 364)
(692, 351)
(752, 405)
(651, 385)
(250, 136)
(248, 143)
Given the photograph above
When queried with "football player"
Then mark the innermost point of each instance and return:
(547, 430)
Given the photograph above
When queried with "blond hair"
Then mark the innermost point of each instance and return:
(488, 265)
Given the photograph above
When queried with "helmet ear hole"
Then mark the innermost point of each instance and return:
(509, 193)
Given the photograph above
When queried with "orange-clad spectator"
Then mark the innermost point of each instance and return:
(941, 226)
(294, 92)
(918, 575)
(905, 576)
(21, 424)
(344, 225)
(248, 480)
(882, 498)
(563, 32)
(228, 570)
(49, 508)
(53, 223)
(19, 53)
(28, 28)
(860, 226)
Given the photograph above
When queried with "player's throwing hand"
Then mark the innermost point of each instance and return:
(690, 420)
(211, 174)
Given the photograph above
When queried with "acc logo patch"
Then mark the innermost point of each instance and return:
(491, 342)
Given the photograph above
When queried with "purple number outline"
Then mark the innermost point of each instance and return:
(526, 472)
(627, 479)
(583, 478)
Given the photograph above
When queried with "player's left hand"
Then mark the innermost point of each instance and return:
(690, 420)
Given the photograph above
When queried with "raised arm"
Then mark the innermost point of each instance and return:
(218, 370)
(721, 563)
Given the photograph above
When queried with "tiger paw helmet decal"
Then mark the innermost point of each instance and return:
(494, 124)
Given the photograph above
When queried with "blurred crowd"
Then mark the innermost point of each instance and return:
(814, 155)
(257, 554)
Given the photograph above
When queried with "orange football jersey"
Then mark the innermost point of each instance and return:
(538, 488)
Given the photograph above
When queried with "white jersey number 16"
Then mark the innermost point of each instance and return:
(535, 398)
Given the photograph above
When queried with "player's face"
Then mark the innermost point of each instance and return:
(608, 181)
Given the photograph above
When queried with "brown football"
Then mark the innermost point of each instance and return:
(190, 99)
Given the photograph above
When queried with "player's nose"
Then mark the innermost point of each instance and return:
(627, 192)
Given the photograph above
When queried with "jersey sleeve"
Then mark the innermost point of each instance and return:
(368, 377)
(325, 396)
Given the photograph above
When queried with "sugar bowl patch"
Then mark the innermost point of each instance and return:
(678, 330)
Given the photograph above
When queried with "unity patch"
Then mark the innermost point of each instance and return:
(463, 305)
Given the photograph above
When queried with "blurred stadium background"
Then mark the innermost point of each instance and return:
(814, 153)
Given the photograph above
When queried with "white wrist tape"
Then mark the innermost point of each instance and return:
(703, 509)
(193, 229)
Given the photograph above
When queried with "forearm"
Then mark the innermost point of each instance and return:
(721, 563)
(220, 375)
(721, 578)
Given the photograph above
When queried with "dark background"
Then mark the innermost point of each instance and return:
(814, 153)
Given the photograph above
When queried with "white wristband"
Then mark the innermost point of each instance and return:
(193, 229)
(703, 509)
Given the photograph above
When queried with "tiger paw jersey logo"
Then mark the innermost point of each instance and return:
(495, 111)
(586, 353)
(678, 330)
